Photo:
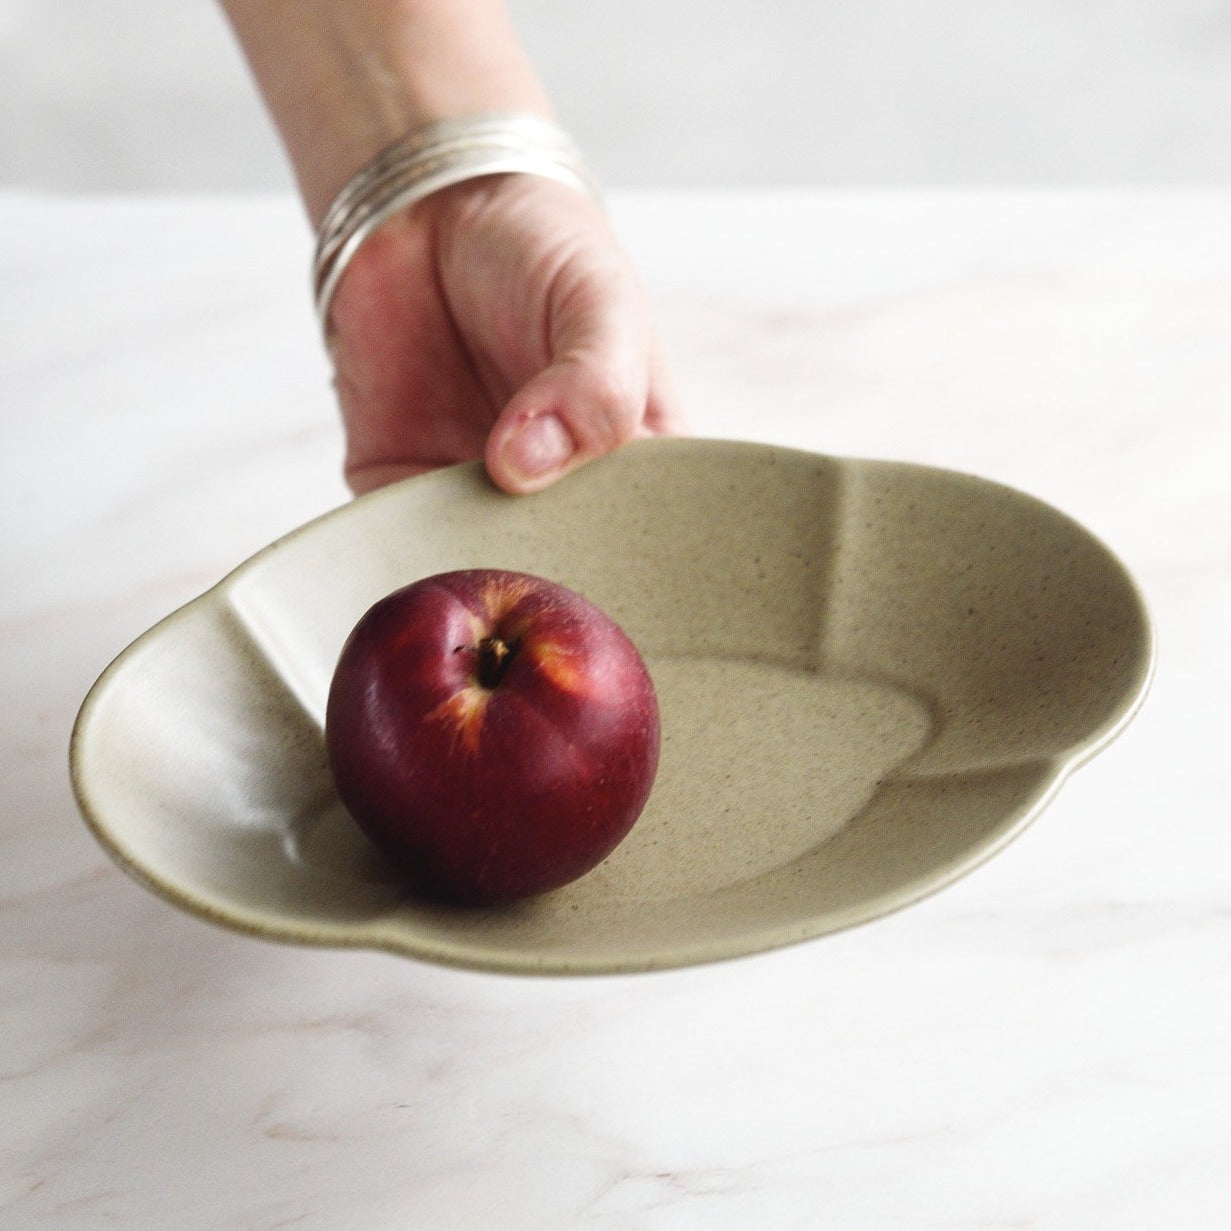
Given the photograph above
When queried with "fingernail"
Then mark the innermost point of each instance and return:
(541, 445)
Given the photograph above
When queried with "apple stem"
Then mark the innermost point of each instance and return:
(495, 654)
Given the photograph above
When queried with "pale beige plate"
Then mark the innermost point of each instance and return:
(872, 675)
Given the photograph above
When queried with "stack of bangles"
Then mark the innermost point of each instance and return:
(428, 160)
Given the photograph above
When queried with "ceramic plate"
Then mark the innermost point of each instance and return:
(872, 675)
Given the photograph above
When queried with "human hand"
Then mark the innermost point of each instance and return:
(497, 319)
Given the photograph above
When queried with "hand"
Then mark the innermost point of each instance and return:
(497, 319)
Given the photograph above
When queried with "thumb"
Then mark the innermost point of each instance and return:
(591, 396)
(577, 409)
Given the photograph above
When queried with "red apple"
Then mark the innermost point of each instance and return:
(494, 733)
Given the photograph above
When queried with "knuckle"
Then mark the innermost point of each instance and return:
(613, 411)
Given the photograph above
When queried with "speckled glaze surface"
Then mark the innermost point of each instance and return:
(872, 675)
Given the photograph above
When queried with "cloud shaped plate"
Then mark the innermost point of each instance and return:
(872, 676)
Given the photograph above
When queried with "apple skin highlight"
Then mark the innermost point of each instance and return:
(494, 733)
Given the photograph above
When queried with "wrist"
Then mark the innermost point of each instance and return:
(343, 79)
(430, 160)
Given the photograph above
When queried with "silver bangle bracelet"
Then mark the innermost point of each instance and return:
(428, 160)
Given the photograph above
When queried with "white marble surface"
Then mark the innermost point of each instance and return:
(1046, 1045)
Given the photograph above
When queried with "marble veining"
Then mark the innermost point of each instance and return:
(1042, 1046)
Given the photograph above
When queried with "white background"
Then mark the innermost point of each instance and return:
(150, 95)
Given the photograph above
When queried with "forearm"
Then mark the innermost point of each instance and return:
(344, 78)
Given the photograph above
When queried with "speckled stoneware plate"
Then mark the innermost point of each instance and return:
(871, 676)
